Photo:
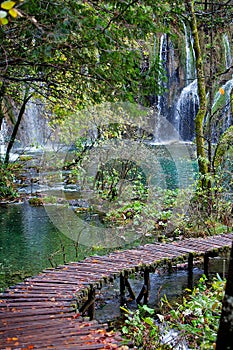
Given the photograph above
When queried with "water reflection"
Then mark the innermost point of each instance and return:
(27, 240)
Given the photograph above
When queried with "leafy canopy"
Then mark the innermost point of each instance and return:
(83, 51)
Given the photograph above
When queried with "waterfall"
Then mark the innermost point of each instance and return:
(186, 110)
(163, 59)
(228, 58)
(160, 99)
(179, 103)
(188, 102)
(190, 56)
(34, 130)
(179, 111)
(164, 108)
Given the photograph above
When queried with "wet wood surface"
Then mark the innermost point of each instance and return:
(41, 312)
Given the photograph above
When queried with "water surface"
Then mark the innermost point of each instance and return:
(29, 242)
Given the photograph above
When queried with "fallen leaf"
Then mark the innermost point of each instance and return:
(12, 339)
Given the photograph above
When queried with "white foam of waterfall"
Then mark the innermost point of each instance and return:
(228, 57)
(158, 109)
(188, 101)
(162, 60)
(186, 110)
(190, 56)
(34, 129)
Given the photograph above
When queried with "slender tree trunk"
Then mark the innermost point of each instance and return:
(16, 127)
(225, 331)
(199, 120)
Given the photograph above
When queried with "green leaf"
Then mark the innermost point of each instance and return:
(147, 309)
(149, 321)
(125, 330)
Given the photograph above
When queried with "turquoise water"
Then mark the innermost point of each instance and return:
(29, 242)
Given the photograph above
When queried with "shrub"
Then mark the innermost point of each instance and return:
(7, 189)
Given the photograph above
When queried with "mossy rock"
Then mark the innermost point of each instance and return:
(25, 158)
(35, 201)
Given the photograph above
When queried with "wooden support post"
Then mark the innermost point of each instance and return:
(122, 289)
(145, 288)
(190, 271)
(206, 264)
(91, 309)
(140, 295)
(169, 267)
(89, 305)
(130, 290)
(124, 283)
(224, 268)
(147, 284)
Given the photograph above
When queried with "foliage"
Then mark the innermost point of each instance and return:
(209, 211)
(197, 318)
(7, 189)
(81, 52)
(193, 322)
(126, 214)
(35, 201)
(72, 54)
(118, 178)
(224, 146)
(141, 329)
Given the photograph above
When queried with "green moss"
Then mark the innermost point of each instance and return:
(35, 201)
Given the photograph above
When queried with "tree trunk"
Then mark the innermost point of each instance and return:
(199, 120)
(16, 127)
(225, 331)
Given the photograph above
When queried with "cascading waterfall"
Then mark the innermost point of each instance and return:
(188, 102)
(186, 110)
(160, 100)
(228, 58)
(190, 56)
(34, 129)
(164, 108)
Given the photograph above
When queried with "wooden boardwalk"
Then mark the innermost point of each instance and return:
(43, 312)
